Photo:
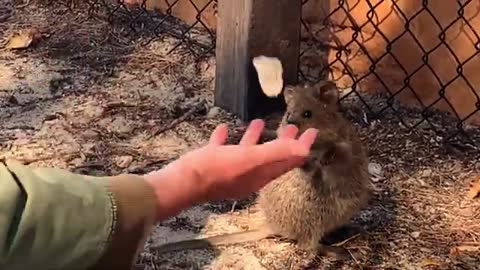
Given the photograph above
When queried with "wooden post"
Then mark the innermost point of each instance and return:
(246, 29)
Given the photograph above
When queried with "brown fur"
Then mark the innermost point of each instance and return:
(307, 203)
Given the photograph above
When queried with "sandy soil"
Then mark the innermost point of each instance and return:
(93, 100)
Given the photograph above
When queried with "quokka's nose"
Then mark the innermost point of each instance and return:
(290, 119)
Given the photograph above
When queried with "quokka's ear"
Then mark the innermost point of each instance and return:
(326, 91)
(288, 93)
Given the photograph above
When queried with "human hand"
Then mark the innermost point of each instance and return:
(132, 3)
(218, 171)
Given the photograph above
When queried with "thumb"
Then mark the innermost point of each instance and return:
(261, 176)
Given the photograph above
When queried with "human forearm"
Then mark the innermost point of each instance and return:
(176, 188)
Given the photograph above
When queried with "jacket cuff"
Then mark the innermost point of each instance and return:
(135, 206)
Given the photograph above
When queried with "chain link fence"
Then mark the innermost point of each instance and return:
(155, 19)
(353, 43)
(404, 51)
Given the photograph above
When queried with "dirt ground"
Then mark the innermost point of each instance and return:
(90, 99)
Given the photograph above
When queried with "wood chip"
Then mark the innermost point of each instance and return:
(458, 250)
(430, 262)
(23, 39)
(474, 191)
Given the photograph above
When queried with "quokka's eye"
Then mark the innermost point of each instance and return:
(307, 114)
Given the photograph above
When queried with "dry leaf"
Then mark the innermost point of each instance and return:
(456, 251)
(23, 39)
(415, 234)
(270, 74)
(474, 191)
(430, 262)
(124, 161)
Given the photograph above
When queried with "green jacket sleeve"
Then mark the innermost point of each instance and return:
(53, 219)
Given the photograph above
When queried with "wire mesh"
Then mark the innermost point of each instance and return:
(334, 55)
(155, 21)
(325, 37)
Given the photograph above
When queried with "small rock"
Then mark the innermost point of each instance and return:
(213, 112)
(93, 111)
(415, 234)
(421, 182)
(87, 147)
(426, 173)
(375, 170)
(155, 78)
(426, 250)
(90, 134)
(120, 125)
(123, 161)
(125, 76)
(239, 123)
(76, 162)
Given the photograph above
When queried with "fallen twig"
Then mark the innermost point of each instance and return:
(346, 240)
(91, 165)
(179, 120)
(28, 161)
(142, 168)
(474, 191)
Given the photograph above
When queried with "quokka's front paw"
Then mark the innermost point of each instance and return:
(268, 135)
(313, 160)
(338, 253)
(323, 151)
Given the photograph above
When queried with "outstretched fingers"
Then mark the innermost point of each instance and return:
(287, 132)
(268, 172)
(253, 132)
(219, 135)
(308, 137)
(283, 148)
(275, 158)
